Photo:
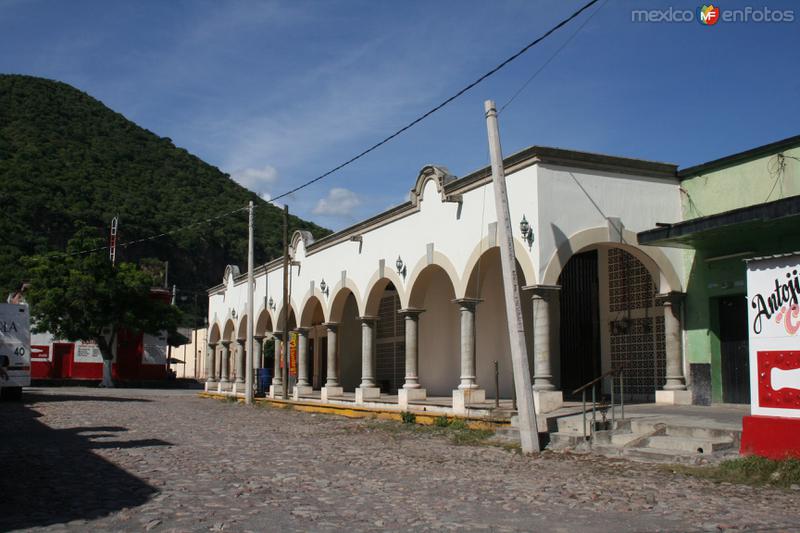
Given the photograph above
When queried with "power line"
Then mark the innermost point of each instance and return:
(551, 58)
(444, 103)
(377, 145)
(151, 237)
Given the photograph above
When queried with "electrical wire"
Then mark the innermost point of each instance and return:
(443, 104)
(151, 237)
(550, 59)
(378, 144)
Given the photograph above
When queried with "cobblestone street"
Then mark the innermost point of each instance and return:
(105, 460)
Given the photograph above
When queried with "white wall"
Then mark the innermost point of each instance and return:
(559, 202)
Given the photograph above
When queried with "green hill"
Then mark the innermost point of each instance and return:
(66, 158)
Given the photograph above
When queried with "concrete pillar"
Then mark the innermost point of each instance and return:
(223, 371)
(367, 389)
(411, 388)
(211, 353)
(544, 299)
(303, 386)
(258, 346)
(240, 361)
(276, 389)
(674, 391)
(468, 391)
(468, 375)
(332, 387)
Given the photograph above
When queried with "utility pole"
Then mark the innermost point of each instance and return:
(112, 245)
(285, 351)
(528, 431)
(248, 366)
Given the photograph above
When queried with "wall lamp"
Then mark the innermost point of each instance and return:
(271, 303)
(323, 287)
(401, 267)
(527, 231)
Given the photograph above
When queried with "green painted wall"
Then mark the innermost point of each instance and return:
(749, 183)
(753, 182)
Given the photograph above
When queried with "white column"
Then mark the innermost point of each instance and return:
(674, 391)
(275, 389)
(467, 308)
(546, 319)
(367, 389)
(211, 352)
(468, 391)
(303, 386)
(332, 387)
(240, 365)
(223, 371)
(411, 388)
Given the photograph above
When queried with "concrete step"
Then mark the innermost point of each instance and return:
(660, 455)
(698, 432)
(687, 444)
(623, 439)
(567, 439)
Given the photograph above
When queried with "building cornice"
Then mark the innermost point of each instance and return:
(513, 163)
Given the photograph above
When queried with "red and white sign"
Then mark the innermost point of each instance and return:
(40, 352)
(773, 294)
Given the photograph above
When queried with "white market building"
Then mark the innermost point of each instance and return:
(408, 305)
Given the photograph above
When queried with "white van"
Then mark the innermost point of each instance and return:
(15, 350)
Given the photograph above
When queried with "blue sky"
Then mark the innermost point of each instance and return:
(275, 93)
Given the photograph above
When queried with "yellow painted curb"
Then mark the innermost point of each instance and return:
(422, 417)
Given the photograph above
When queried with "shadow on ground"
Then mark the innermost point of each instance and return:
(50, 476)
(31, 397)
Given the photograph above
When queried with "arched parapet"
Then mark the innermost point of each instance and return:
(416, 280)
(440, 175)
(375, 287)
(338, 300)
(231, 273)
(264, 323)
(215, 333)
(308, 308)
(301, 237)
(485, 245)
(654, 259)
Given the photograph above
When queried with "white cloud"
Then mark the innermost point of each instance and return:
(256, 178)
(339, 202)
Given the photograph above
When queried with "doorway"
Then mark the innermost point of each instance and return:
(734, 349)
(580, 322)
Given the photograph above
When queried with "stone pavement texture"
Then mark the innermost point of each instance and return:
(138, 460)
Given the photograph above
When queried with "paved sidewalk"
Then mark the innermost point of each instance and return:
(162, 460)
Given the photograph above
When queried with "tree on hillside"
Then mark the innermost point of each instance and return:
(83, 297)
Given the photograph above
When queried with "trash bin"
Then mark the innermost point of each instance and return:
(264, 377)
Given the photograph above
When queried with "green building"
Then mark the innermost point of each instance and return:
(740, 206)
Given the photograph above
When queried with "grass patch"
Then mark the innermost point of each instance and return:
(456, 431)
(408, 417)
(751, 470)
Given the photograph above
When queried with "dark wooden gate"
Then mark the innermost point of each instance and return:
(580, 322)
(734, 349)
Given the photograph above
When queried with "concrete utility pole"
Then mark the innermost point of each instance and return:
(248, 366)
(528, 430)
(285, 352)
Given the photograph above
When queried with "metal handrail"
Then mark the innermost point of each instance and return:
(614, 373)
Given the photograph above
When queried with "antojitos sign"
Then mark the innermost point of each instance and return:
(773, 287)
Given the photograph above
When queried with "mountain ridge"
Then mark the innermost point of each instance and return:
(67, 159)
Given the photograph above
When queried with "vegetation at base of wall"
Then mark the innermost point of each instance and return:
(457, 434)
(441, 421)
(408, 417)
(66, 158)
(751, 470)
